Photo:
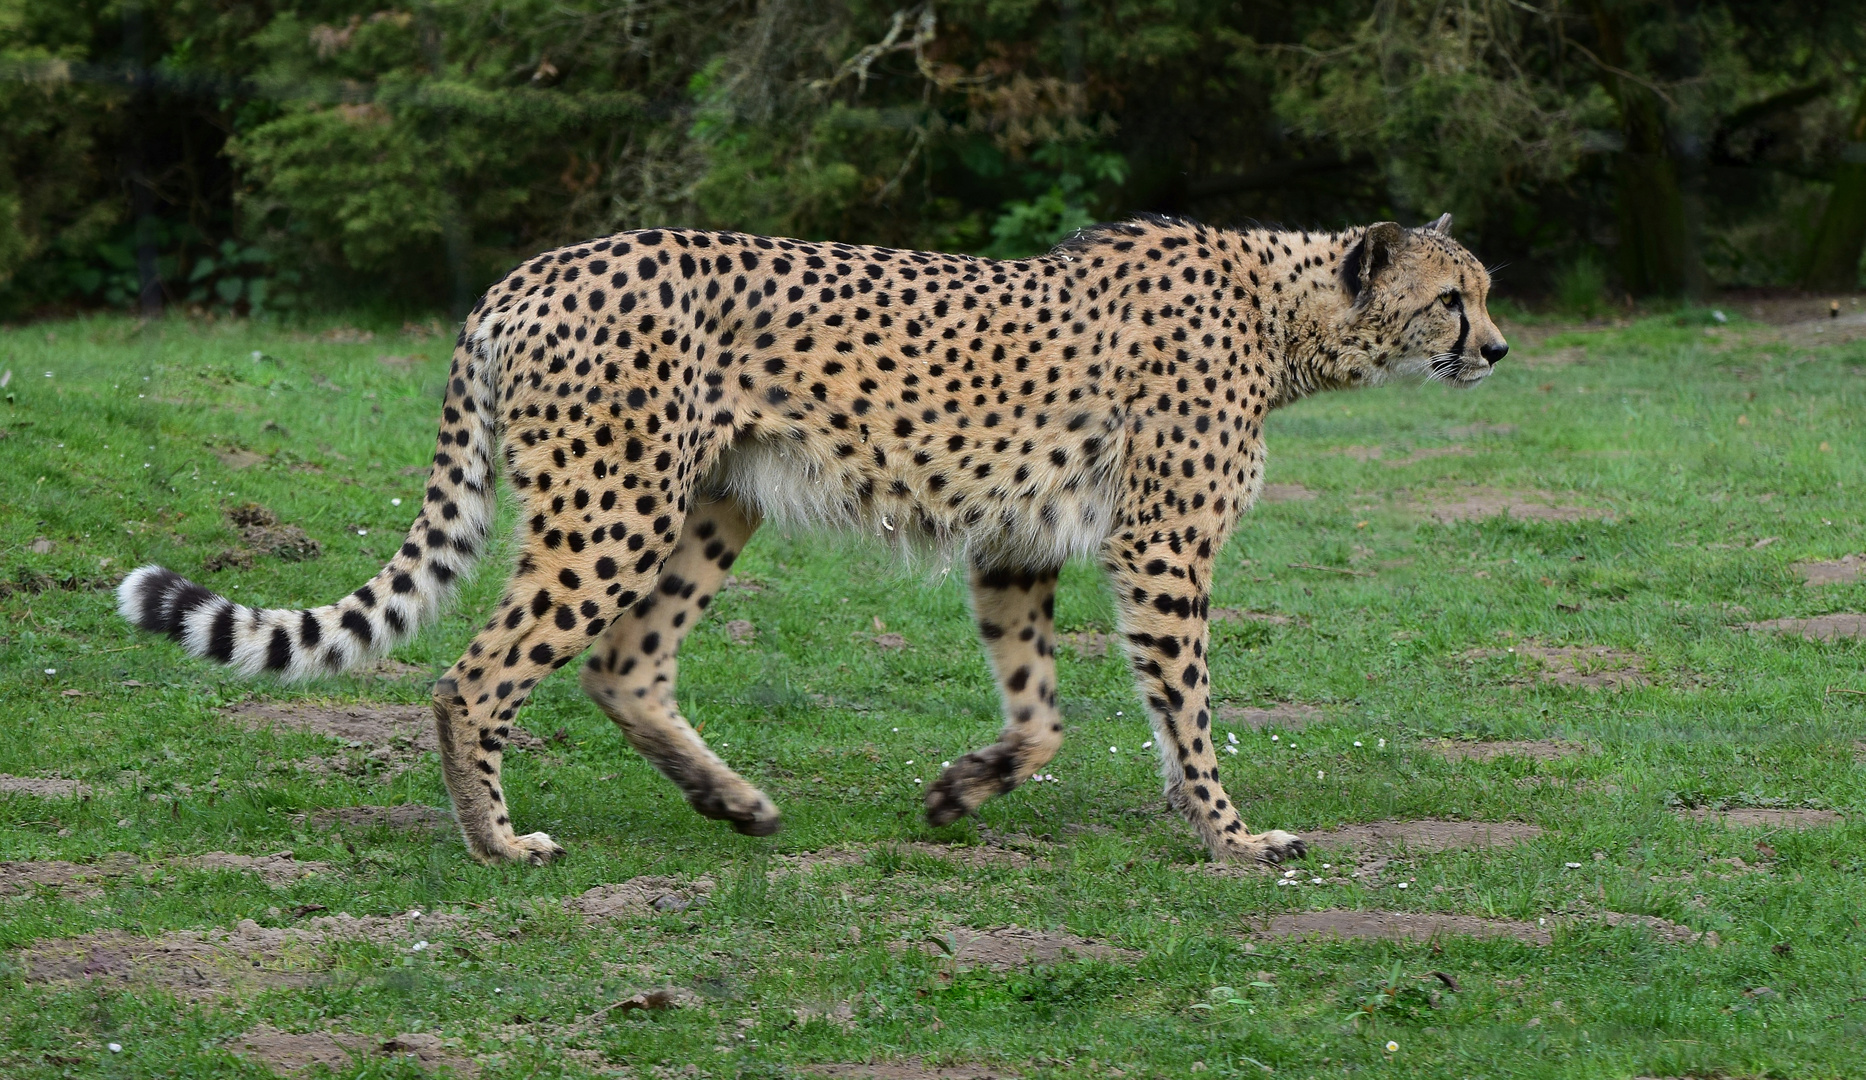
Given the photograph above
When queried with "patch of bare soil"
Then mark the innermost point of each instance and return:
(1533, 749)
(890, 641)
(1590, 667)
(261, 531)
(207, 963)
(1482, 504)
(741, 632)
(392, 669)
(279, 868)
(292, 1053)
(971, 856)
(1424, 836)
(1287, 715)
(911, 1069)
(405, 818)
(74, 881)
(1765, 818)
(43, 787)
(390, 737)
(1843, 625)
(1006, 947)
(1399, 926)
(238, 457)
(1087, 644)
(1842, 571)
(642, 896)
(1231, 614)
(1285, 493)
(1665, 929)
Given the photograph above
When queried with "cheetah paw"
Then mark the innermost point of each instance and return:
(1277, 846)
(535, 849)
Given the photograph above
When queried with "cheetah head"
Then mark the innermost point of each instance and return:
(1416, 306)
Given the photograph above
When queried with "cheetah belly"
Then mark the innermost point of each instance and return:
(1050, 518)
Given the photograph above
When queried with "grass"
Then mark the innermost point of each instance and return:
(1696, 443)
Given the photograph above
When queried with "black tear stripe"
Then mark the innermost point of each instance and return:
(1464, 331)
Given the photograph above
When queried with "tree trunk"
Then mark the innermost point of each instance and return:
(1834, 263)
(1657, 255)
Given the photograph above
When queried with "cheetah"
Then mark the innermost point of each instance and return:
(656, 395)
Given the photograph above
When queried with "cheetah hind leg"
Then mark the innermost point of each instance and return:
(631, 672)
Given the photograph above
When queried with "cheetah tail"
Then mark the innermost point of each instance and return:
(441, 547)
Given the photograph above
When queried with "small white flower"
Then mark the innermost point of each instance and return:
(1114, 749)
(1392, 1047)
(1231, 749)
(1117, 712)
(51, 671)
(1276, 738)
(1291, 873)
(1320, 774)
(1284, 881)
(945, 764)
(145, 464)
(1328, 866)
(115, 1048)
(419, 946)
(362, 532)
(1148, 745)
(414, 913)
(1357, 742)
(498, 989)
(1402, 884)
(1382, 746)
(895, 729)
(395, 502)
(917, 780)
(1231, 737)
(1315, 881)
(1572, 865)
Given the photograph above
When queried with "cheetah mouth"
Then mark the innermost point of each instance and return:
(1459, 370)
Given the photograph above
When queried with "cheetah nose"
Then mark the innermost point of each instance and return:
(1495, 351)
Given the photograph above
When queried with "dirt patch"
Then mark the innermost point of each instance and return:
(642, 896)
(1231, 614)
(1764, 818)
(1841, 571)
(392, 738)
(741, 632)
(236, 457)
(74, 881)
(263, 532)
(907, 1070)
(1087, 644)
(890, 641)
(292, 1053)
(43, 787)
(1844, 625)
(1399, 926)
(207, 963)
(1533, 749)
(970, 856)
(1482, 504)
(405, 818)
(392, 670)
(1287, 715)
(279, 868)
(1008, 947)
(1590, 667)
(1285, 493)
(1424, 836)
(1665, 929)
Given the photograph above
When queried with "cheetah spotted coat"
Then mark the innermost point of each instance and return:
(654, 396)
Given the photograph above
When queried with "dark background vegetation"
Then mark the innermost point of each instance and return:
(285, 154)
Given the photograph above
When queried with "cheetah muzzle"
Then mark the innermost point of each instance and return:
(654, 396)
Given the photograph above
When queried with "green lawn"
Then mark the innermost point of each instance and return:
(1666, 478)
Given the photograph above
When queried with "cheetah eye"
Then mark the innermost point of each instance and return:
(1452, 299)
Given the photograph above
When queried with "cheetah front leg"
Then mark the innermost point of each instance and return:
(1163, 599)
(630, 675)
(1015, 609)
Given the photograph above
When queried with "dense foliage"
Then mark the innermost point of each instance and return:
(263, 154)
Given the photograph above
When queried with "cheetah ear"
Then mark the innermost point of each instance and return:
(1369, 257)
(1442, 226)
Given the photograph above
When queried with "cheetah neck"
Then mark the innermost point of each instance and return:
(1291, 285)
